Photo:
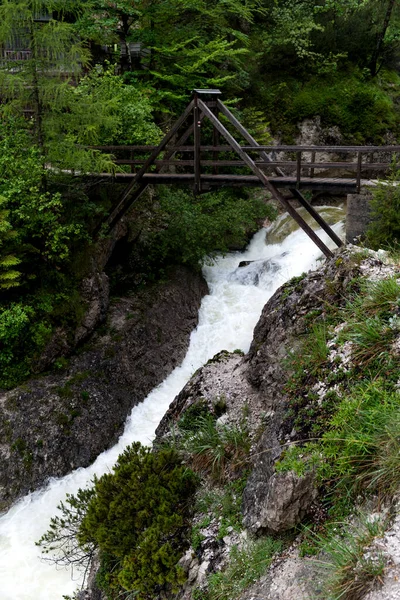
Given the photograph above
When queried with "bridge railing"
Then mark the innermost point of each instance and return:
(301, 162)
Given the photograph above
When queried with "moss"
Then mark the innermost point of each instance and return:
(19, 445)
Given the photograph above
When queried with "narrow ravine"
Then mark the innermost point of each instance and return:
(226, 321)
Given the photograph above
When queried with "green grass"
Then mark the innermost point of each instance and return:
(349, 562)
(246, 566)
(222, 504)
(218, 450)
(350, 433)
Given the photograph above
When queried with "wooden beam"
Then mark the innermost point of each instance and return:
(298, 169)
(310, 209)
(196, 131)
(125, 202)
(250, 163)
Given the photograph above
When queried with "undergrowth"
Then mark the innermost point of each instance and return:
(345, 406)
(246, 566)
(350, 562)
(355, 449)
(213, 449)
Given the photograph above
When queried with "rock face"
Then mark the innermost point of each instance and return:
(65, 419)
(288, 500)
(271, 502)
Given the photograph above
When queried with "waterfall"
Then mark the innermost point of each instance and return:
(227, 317)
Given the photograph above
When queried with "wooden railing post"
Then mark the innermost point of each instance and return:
(216, 141)
(359, 163)
(313, 161)
(196, 131)
(298, 169)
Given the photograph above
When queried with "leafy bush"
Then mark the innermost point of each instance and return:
(9, 276)
(41, 232)
(384, 228)
(103, 110)
(363, 110)
(191, 228)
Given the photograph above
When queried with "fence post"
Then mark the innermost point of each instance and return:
(196, 131)
(359, 163)
(313, 161)
(298, 173)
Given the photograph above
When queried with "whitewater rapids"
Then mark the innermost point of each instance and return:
(227, 318)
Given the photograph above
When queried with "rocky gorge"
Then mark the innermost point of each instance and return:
(252, 392)
(64, 419)
(256, 385)
(253, 495)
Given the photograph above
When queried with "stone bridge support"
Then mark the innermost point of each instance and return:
(358, 215)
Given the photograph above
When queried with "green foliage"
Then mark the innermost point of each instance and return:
(363, 429)
(60, 542)
(384, 228)
(351, 565)
(41, 231)
(221, 504)
(358, 449)
(138, 518)
(220, 450)
(9, 276)
(192, 228)
(245, 567)
(360, 109)
(103, 110)
(46, 224)
(372, 322)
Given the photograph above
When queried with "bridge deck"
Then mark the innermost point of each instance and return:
(306, 183)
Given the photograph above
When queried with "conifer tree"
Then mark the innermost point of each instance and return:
(42, 58)
(9, 275)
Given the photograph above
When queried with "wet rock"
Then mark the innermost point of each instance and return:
(254, 271)
(95, 293)
(64, 420)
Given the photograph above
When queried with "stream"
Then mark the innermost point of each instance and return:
(227, 318)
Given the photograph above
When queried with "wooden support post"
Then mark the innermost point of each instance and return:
(196, 131)
(264, 179)
(216, 142)
(296, 193)
(125, 201)
(359, 163)
(298, 169)
(132, 155)
(312, 161)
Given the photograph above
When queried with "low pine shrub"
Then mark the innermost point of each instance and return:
(137, 517)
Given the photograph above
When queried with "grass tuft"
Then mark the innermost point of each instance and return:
(350, 561)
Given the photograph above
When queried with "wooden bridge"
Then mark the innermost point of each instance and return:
(192, 154)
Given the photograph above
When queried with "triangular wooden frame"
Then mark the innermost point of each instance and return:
(200, 109)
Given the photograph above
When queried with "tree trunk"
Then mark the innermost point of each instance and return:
(381, 37)
(35, 91)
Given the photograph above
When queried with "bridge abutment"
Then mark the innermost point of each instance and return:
(358, 215)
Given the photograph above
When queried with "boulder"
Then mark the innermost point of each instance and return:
(288, 500)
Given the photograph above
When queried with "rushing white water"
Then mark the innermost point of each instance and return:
(226, 321)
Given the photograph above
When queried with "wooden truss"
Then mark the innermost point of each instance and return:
(206, 104)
